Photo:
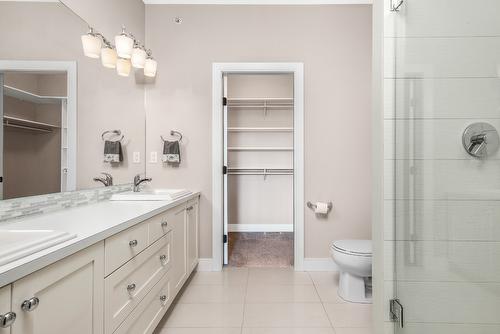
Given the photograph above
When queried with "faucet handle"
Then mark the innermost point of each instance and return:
(481, 140)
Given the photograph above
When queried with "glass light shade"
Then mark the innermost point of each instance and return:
(91, 45)
(150, 67)
(138, 57)
(124, 45)
(123, 67)
(108, 57)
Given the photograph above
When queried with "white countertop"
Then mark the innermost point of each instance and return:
(91, 223)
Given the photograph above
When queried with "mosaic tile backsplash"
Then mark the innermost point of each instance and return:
(34, 205)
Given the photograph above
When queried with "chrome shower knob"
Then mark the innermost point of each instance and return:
(480, 140)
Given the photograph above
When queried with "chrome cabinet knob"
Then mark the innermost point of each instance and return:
(7, 319)
(131, 287)
(30, 304)
(163, 298)
(190, 208)
(133, 243)
(164, 224)
(163, 258)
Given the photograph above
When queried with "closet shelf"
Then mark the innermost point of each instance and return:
(240, 148)
(266, 103)
(27, 124)
(267, 129)
(30, 97)
(260, 171)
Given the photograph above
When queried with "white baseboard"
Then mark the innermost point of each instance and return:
(205, 264)
(320, 264)
(260, 227)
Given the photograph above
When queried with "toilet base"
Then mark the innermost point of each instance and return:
(353, 289)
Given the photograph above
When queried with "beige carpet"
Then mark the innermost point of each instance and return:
(262, 249)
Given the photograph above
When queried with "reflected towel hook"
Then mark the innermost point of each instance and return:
(113, 133)
(173, 133)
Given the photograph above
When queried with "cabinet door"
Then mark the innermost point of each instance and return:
(66, 297)
(192, 217)
(5, 309)
(179, 261)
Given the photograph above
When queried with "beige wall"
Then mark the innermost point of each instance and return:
(334, 42)
(106, 101)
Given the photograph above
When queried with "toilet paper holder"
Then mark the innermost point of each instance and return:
(312, 206)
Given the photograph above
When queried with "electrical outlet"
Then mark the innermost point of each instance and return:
(137, 157)
(153, 157)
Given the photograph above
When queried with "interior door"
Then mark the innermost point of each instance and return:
(225, 236)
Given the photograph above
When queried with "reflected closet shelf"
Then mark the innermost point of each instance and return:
(30, 97)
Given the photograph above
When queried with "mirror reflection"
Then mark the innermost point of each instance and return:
(68, 122)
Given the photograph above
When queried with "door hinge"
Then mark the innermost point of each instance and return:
(224, 238)
(224, 170)
(224, 101)
(397, 312)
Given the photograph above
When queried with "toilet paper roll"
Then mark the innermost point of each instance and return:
(321, 208)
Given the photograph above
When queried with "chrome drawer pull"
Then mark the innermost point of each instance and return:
(30, 304)
(164, 224)
(163, 298)
(133, 243)
(131, 287)
(163, 258)
(190, 208)
(7, 319)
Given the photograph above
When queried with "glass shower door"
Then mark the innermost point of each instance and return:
(444, 77)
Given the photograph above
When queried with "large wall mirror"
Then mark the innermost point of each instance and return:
(63, 113)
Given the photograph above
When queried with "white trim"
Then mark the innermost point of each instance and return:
(57, 66)
(204, 264)
(260, 227)
(320, 264)
(217, 152)
(258, 2)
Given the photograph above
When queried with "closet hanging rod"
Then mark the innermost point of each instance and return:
(239, 148)
(277, 129)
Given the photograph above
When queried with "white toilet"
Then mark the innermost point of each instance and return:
(354, 258)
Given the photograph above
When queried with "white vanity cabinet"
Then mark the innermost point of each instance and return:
(124, 284)
(7, 317)
(65, 297)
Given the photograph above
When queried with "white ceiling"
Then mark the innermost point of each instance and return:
(258, 2)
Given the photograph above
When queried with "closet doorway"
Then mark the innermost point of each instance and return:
(258, 180)
(261, 158)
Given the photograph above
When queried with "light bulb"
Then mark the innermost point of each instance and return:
(91, 45)
(150, 67)
(124, 45)
(138, 57)
(123, 67)
(108, 57)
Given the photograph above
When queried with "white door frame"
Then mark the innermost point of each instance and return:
(57, 66)
(218, 69)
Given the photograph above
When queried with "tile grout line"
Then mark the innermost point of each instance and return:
(321, 301)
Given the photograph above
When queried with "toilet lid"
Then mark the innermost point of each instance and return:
(359, 247)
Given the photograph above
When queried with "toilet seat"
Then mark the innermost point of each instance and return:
(353, 247)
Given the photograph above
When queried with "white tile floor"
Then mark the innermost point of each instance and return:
(264, 301)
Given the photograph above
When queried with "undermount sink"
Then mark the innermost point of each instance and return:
(151, 195)
(16, 244)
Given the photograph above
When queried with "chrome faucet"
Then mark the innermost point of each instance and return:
(138, 181)
(106, 180)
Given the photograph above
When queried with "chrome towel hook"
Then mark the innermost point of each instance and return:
(173, 133)
(112, 133)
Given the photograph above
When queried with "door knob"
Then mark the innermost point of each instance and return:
(7, 319)
(30, 304)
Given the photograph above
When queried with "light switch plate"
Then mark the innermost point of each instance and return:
(153, 157)
(137, 157)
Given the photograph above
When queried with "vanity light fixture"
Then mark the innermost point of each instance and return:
(91, 43)
(109, 56)
(150, 66)
(128, 52)
(124, 44)
(138, 56)
(123, 67)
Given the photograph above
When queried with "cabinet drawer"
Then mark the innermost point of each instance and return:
(127, 286)
(125, 245)
(160, 225)
(147, 315)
